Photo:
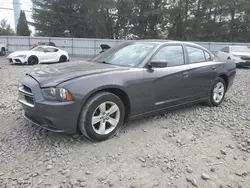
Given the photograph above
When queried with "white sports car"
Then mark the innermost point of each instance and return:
(240, 55)
(39, 54)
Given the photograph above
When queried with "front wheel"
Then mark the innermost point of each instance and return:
(217, 92)
(102, 116)
(33, 60)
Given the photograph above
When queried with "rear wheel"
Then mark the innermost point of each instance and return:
(63, 59)
(217, 93)
(3, 52)
(102, 116)
(33, 60)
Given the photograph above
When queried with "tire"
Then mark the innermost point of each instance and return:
(63, 59)
(33, 60)
(93, 108)
(221, 85)
(3, 52)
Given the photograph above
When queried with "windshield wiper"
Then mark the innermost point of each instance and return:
(104, 62)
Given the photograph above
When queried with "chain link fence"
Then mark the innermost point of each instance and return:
(83, 46)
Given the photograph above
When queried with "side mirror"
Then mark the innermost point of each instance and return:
(157, 64)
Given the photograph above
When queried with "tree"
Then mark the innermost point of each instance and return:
(5, 28)
(22, 26)
(193, 20)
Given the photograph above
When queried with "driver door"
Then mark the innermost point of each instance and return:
(170, 85)
(51, 54)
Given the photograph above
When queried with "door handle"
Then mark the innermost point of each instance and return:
(185, 74)
(214, 68)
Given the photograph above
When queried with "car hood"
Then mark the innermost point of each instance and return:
(17, 53)
(241, 54)
(53, 75)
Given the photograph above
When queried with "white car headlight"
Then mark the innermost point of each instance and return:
(22, 56)
(238, 56)
(57, 94)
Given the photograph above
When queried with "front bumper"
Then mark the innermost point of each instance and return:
(246, 63)
(240, 62)
(16, 60)
(50, 115)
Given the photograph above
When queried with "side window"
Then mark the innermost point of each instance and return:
(50, 50)
(196, 55)
(226, 49)
(207, 55)
(173, 55)
(40, 49)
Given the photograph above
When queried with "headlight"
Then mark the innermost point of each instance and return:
(22, 56)
(237, 56)
(57, 94)
(20, 85)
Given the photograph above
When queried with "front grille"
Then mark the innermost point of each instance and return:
(17, 60)
(27, 89)
(29, 99)
(245, 58)
(26, 96)
(10, 60)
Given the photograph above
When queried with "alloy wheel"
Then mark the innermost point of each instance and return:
(218, 92)
(105, 118)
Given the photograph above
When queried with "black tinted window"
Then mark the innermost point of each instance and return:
(38, 48)
(173, 55)
(226, 49)
(195, 55)
(207, 55)
(50, 50)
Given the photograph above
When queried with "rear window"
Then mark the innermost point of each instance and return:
(195, 55)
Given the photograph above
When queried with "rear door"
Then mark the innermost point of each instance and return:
(170, 85)
(202, 71)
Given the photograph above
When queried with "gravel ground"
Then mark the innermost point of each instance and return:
(195, 146)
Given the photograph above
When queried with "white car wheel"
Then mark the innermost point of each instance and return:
(33, 60)
(63, 59)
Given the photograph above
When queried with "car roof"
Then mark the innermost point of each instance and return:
(159, 41)
(44, 46)
(238, 46)
(162, 42)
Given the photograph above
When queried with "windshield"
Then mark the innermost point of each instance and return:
(240, 49)
(126, 54)
(37, 48)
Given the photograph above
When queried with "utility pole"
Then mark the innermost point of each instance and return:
(16, 8)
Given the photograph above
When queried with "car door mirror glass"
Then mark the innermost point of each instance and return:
(158, 64)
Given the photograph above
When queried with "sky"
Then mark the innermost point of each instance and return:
(9, 15)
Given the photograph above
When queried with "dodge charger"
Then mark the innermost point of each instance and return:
(131, 79)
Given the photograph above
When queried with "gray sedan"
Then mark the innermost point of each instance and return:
(129, 80)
